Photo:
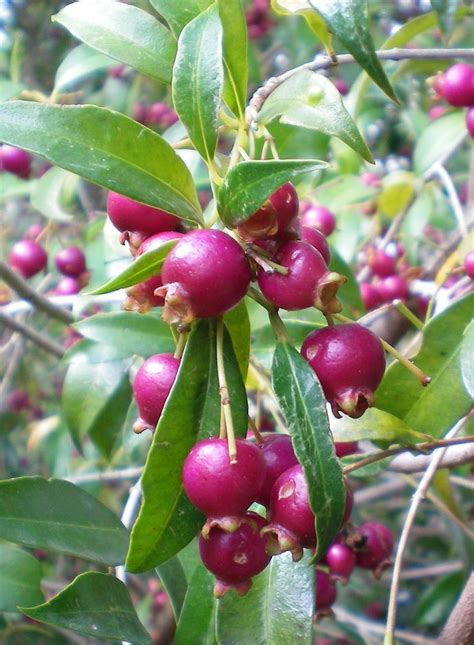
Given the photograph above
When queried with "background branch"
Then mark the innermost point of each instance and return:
(36, 337)
(459, 630)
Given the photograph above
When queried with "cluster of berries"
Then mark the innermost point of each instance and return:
(158, 114)
(456, 87)
(389, 269)
(259, 21)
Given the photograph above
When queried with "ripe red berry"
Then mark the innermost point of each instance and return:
(381, 263)
(205, 274)
(319, 217)
(377, 545)
(28, 258)
(71, 261)
(326, 592)
(469, 264)
(16, 161)
(349, 362)
(370, 295)
(393, 288)
(341, 86)
(344, 448)
(308, 282)
(234, 558)
(316, 239)
(278, 455)
(341, 561)
(470, 121)
(274, 217)
(129, 215)
(151, 388)
(67, 286)
(458, 85)
(220, 489)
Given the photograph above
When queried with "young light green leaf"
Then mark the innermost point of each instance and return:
(108, 149)
(310, 100)
(438, 139)
(278, 608)
(143, 267)
(123, 32)
(198, 78)
(375, 425)
(47, 192)
(55, 515)
(178, 14)
(79, 64)
(304, 407)
(20, 579)
(235, 55)
(249, 184)
(13, 186)
(467, 359)
(314, 20)
(349, 21)
(94, 604)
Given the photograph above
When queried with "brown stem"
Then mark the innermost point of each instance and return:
(459, 630)
(31, 334)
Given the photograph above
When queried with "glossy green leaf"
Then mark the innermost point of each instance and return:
(123, 32)
(304, 407)
(436, 408)
(445, 10)
(178, 14)
(198, 78)
(95, 402)
(349, 293)
(375, 425)
(9, 89)
(80, 64)
(235, 55)
(143, 267)
(310, 100)
(94, 604)
(314, 20)
(238, 325)
(47, 193)
(197, 620)
(55, 515)
(107, 148)
(20, 578)
(87, 352)
(349, 21)
(131, 332)
(167, 521)
(173, 580)
(438, 140)
(277, 609)
(249, 184)
(467, 359)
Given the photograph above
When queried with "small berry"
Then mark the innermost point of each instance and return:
(128, 215)
(151, 388)
(234, 558)
(349, 362)
(381, 263)
(344, 448)
(16, 161)
(393, 288)
(436, 112)
(458, 85)
(278, 455)
(370, 296)
(319, 217)
(469, 264)
(275, 216)
(316, 239)
(341, 86)
(28, 258)
(341, 561)
(67, 286)
(18, 400)
(71, 261)
(326, 592)
(376, 548)
(470, 121)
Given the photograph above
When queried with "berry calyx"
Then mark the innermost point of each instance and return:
(129, 216)
(234, 558)
(341, 561)
(28, 258)
(278, 455)
(374, 548)
(349, 362)
(275, 216)
(308, 282)
(468, 264)
(318, 217)
(151, 387)
(458, 85)
(205, 274)
(222, 490)
(70, 261)
(15, 160)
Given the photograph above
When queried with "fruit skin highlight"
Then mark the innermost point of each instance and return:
(28, 258)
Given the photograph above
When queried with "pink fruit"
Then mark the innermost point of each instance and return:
(18, 400)
(377, 545)
(67, 286)
(370, 296)
(458, 85)
(319, 217)
(16, 161)
(71, 261)
(469, 264)
(341, 86)
(28, 258)
(381, 263)
(326, 592)
(278, 455)
(436, 112)
(370, 179)
(344, 448)
(393, 288)
(128, 215)
(274, 217)
(316, 239)
(349, 362)
(341, 561)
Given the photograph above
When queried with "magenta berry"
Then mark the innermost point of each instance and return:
(458, 85)
(344, 448)
(16, 161)
(274, 217)
(234, 558)
(370, 179)
(151, 388)
(341, 561)
(67, 286)
(381, 263)
(205, 274)
(220, 489)
(278, 455)
(141, 297)
(128, 215)
(18, 400)
(341, 86)
(468, 264)
(326, 592)
(376, 548)
(319, 217)
(28, 258)
(370, 296)
(349, 362)
(71, 261)
(393, 288)
(308, 282)
(316, 239)
(470, 121)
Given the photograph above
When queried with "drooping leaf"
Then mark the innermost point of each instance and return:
(167, 521)
(94, 604)
(107, 148)
(20, 578)
(79, 64)
(349, 21)
(310, 100)
(173, 580)
(235, 55)
(314, 20)
(143, 267)
(437, 141)
(467, 359)
(238, 325)
(304, 407)
(376, 425)
(123, 32)
(445, 10)
(198, 78)
(249, 184)
(197, 620)
(47, 192)
(277, 609)
(58, 516)
(436, 408)
(178, 14)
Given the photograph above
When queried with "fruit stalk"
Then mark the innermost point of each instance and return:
(224, 393)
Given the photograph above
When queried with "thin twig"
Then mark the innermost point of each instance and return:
(445, 177)
(36, 337)
(106, 476)
(455, 456)
(462, 481)
(432, 570)
(224, 393)
(129, 514)
(24, 306)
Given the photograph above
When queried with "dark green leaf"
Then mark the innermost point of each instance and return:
(436, 408)
(445, 10)
(249, 184)
(17, 634)
(178, 14)
(376, 425)
(277, 609)
(123, 32)
(438, 139)
(130, 332)
(143, 267)
(106, 148)
(235, 55)
(304, 407)
(310, 100)
(173, 579)
(58, 516)
(94, 604)
(167, 521)
(349, 21)
(437, 600)
(20, 578)
(238, 325)
(81, 63)
(467, 359)
(197, 620)
(198, 78)
(46, 195)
